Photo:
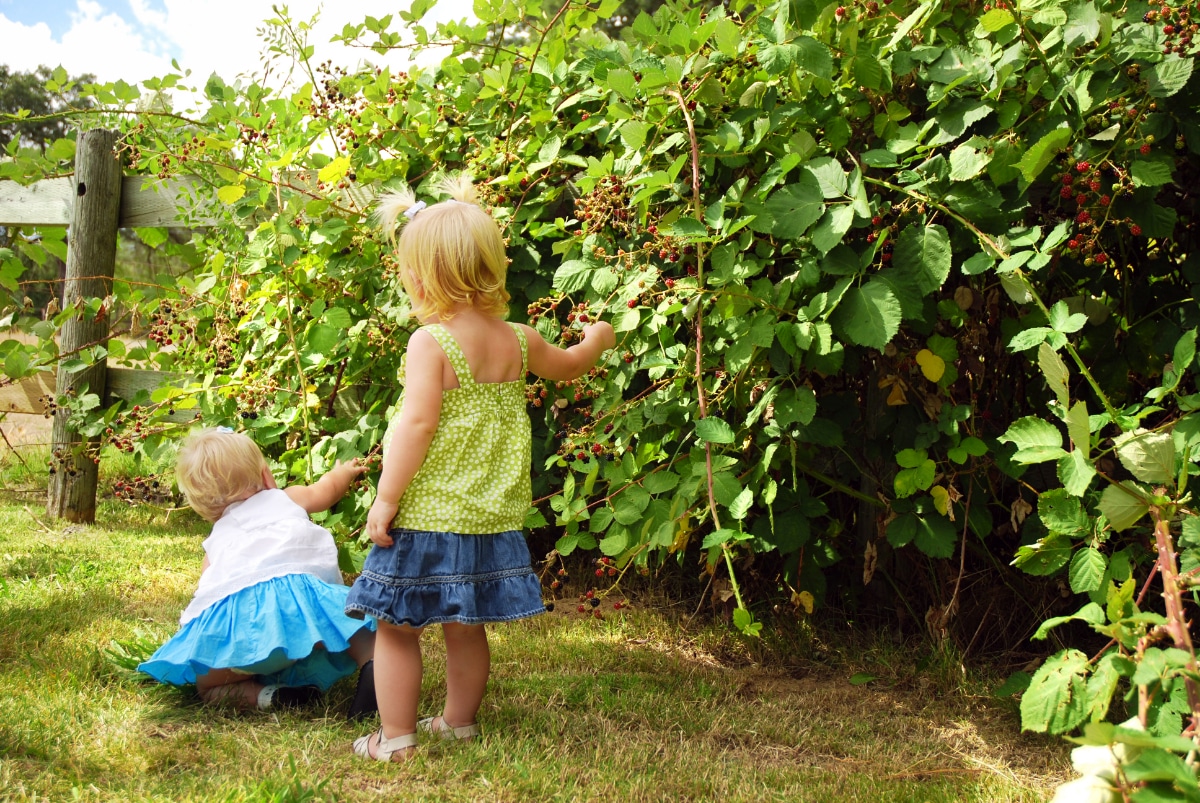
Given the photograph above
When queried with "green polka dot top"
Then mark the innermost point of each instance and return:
(475, 478)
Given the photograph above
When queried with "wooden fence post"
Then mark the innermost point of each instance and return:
(91, 258)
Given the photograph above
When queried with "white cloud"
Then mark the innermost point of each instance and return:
(214, 36)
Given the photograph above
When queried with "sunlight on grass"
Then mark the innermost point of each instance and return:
(633, 706)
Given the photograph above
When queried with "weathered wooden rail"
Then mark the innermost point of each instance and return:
(93, 204)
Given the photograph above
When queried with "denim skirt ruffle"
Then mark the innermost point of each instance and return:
(427, 578)
(270, 630)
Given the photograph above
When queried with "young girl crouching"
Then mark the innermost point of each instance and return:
(266, 625)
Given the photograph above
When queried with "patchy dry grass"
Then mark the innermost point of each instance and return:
(629, 708)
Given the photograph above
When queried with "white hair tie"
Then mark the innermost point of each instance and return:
(225, 430)
(412, 211)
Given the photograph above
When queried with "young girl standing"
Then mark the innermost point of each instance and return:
(455, 488)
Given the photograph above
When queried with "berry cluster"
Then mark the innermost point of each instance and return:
(146, 490)
(49, 405)
(1178, 25)
(166, 327)
(63, 461)
(606, 206)
(1091, 189)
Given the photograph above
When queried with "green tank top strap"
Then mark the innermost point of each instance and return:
(524, 348)
(450, 347)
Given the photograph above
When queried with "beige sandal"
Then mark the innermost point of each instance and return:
(446, 731)
(384, 748)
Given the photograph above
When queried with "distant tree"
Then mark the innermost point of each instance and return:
(43, 92)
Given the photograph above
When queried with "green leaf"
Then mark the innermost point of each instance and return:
(1056, 700)
(1032, 432)
(862, 678)
(335, 170)
(1169, 76)
(714, 430)
(1045, 557)
(1062, 513)
(622, 82)
(1090, 613)
(833, 227)
(830, 176)
(1087, 570)
(1150, 174)
(1149, 456)
(1038, 157)
(1159, 765)
(936, 536)
(814, 57)
(791, 210)
(572, 276)
(869, 315)
(924, 253)
(728, 37)
(633, 134)
(967, 162)
(996, 19)
(1028, 338)
(231, 193)
(1185, 351)
(717, 537)
(1055, 371)
(741, 504)
(1123, 505)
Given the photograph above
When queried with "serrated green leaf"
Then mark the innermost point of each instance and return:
(1045, 557)
(1123, 505)
(1056, 700)
(572, 276)
(996, 19)
(1087, 570)
(1169, 76)
(1055, 371)
(714, 430)
(1062, 513)
(1150, 174)
(832, 227)
(1038, 157)
(1032, 432)
(1078, 428)
(924, 253)
(1149, 456)
(231, 193)
(869, 315)
(741, 504)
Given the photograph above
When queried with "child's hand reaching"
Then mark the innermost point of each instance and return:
(349, 470)
(603, 332)
(379, 519)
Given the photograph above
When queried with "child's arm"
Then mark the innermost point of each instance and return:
(551, 362)
(412, 435)
(325, 492)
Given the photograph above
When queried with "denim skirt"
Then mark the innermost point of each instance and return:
(427, 578)
(290, 630)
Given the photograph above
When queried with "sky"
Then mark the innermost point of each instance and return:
(133, 40)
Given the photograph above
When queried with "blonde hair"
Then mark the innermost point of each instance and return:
(450, 254)
(217, 468)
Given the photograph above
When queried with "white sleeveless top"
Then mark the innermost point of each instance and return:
(265, 536)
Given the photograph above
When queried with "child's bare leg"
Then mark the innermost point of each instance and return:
(362, 646)
(398, 679)
(468, 663)
(227, 686)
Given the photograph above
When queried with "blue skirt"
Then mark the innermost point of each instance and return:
(427, 578)
(270, 630)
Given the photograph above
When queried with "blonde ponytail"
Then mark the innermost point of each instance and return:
(390, 207)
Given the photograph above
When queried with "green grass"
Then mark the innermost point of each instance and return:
(633, 707)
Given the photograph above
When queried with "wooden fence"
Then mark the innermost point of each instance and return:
(93, 204)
